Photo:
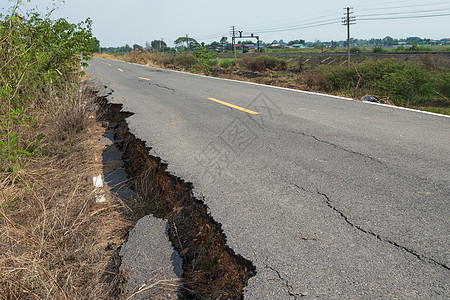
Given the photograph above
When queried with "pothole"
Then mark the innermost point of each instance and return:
(211, 269)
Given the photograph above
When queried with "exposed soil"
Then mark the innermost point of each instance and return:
(211, 269)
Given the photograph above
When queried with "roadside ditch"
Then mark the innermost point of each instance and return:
(211, 269)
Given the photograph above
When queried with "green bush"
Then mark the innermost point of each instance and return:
(226, 63)
(39, 53)
(403, 82)
(205, 60)
(213, 62)
(406, 84)
(378, 50)
(39, 60)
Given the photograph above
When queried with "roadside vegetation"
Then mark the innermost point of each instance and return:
(420, 83)
(52, 232)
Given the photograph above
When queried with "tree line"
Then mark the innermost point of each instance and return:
(183, 44)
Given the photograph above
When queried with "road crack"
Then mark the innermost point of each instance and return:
(366, 231)
(337, 146)
(289, 287)
(163, 87)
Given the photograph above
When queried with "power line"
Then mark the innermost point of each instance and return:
(207, 37)
(334, 21)
(317, 22)
(405, 17)
(289, 22)
(406, 12)
(404, 6)
(297, 27)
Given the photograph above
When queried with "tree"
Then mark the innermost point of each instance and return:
(186, 43)
(125, 49)
(389, 41)
(248, 42)
(413, 40)
(137, 47)
(296, 42)
(159, 45)
(334, 44)
(95, 45)
(318, 45)
(214, 45)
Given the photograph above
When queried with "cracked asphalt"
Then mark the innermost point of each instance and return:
(329, 198)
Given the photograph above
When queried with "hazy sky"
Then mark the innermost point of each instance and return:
(120, 22)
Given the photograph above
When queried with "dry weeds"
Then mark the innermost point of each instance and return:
(55, 241)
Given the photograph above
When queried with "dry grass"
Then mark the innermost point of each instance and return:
(55, 241)
(104, 55)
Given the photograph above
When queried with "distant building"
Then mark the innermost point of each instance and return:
(297, 46)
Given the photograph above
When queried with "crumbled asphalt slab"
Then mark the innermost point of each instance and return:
(153, 267)
(113, 168)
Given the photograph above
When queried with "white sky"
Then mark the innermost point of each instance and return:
(120, 22)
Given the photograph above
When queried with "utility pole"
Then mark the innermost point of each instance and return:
(160, 44)
(233, 31)
(348, 20)
(187, 41)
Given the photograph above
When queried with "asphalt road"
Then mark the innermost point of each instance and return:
(329, 198)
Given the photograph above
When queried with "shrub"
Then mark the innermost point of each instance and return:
(263, 63)
(378, 50)
(355, 49)
(39, 58)
(317, 81)
(185, 60)
(213, 62)
(436, 62)
(163, 59)
(400, 48)
(403, 82)
(205, 60)
(226, 63)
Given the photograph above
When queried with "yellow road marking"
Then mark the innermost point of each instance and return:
(234, 106)
(143, 78)
(120, 70)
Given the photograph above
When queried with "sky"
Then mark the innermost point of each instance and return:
(120, 22)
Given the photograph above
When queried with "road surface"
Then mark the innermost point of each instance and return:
(329, 198)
